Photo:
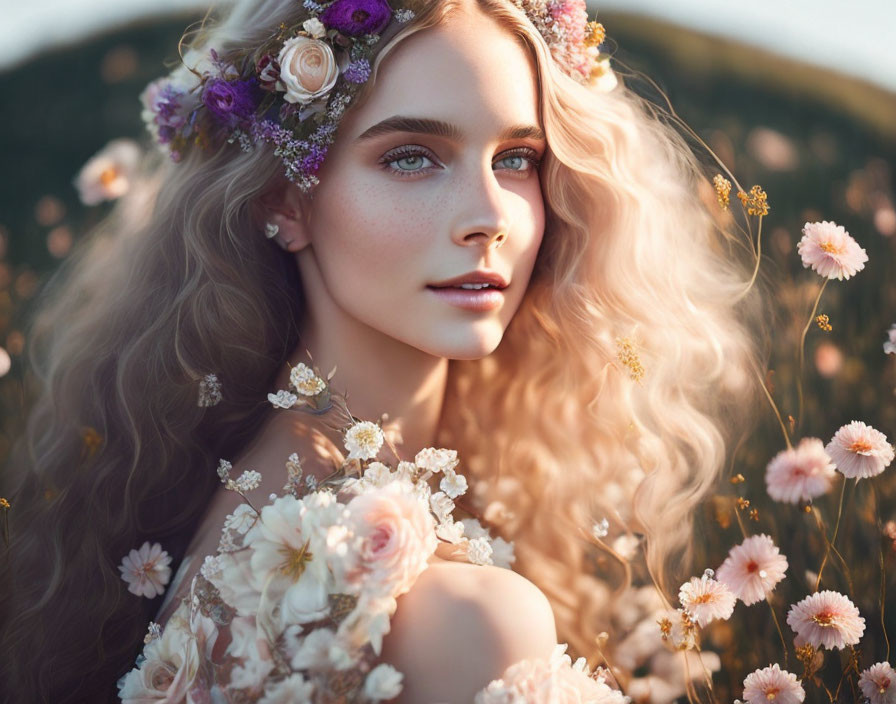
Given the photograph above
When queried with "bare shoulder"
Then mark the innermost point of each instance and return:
(480, 619)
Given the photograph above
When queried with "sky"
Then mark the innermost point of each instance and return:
(856, 38)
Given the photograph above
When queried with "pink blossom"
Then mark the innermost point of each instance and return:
(860, 451)
(146, 570)
(878, 684)
(830, 250)
(706, 599)
(826, 620)
(801, 473)
(398, 534)
(753, 568)
(772, 684)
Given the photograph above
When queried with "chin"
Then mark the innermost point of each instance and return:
(468, 347)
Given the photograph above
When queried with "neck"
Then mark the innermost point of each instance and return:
(378, 375)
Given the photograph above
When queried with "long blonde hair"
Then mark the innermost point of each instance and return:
(555, 425)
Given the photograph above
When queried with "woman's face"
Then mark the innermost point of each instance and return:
(421, 178)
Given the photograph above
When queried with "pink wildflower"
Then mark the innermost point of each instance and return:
(801, 473)
(753, 568)
(772, 684)
(706, 599)
(860, 451)
(146, 570)
(826, 620)
(830, 250)
(878, 684)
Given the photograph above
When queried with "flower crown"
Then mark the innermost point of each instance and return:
(292, 90)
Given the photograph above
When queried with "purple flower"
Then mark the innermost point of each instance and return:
(355, 17)
(357, 71)
(166, 106)
(228, 101)
(312, 162)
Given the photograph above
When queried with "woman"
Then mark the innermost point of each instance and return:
(479, 144)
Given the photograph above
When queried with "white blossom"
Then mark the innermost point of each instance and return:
(479, 551)
(283, 399)
(453, 484)
(383, 682)
(364, 440)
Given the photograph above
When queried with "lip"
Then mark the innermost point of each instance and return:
(477, 301)
(480, 276)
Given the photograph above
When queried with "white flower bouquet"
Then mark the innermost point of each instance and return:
(295, 604)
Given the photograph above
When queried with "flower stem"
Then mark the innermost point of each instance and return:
(799, 372)
(775, 409)
(780, 632)
(883, 574)
(830, 543)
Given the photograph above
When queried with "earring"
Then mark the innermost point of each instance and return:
(271, 230)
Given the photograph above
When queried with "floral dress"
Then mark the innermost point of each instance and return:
(294, 605)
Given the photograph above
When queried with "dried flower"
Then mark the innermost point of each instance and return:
(4, 504)
(364, 440)
(723, 190)
(860, 451)
(755, 202)
(146, 570)
(801, 473)
(826, 619)
(678, 629)
(754, 514)
(628, 357)
(209, 391)
(830, 250)
(878, 683)
(247, 481)
(753, 568)
(823, 322)
(772, 684)
(595, 34)
(706, 599)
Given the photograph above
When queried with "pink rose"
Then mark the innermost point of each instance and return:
(398, 537)
(308, 69)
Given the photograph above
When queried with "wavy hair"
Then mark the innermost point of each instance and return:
(556, 427)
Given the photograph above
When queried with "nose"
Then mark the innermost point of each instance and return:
(481, 215)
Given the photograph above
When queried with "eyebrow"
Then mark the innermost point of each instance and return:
(421, 125)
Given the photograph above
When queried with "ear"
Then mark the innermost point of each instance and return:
(285, 206)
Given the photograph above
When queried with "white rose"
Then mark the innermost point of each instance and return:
(304, 601)
(308, 69)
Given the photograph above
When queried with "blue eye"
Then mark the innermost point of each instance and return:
(411, 160)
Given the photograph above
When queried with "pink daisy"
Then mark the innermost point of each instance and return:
(772, 684)
(860, 451)
(706, 599)
(801, 473)
(878, 684)
(830, 250)
(146, 570)
(826, 620)
(753, 568)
